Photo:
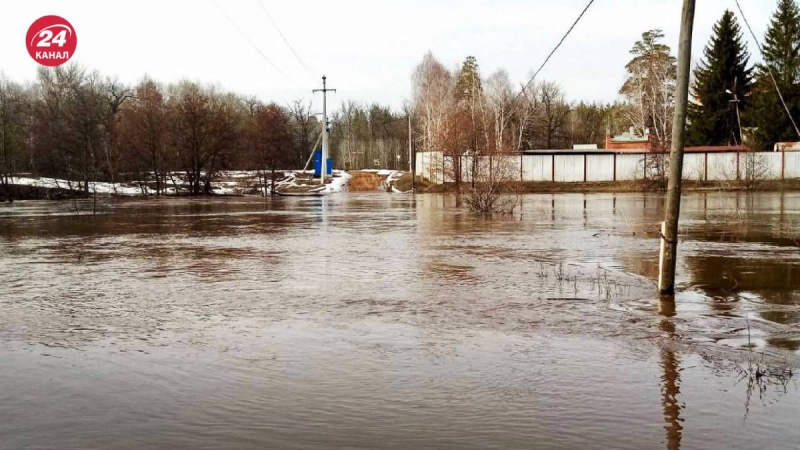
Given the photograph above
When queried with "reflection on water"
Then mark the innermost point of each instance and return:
(392, 321)
(671, 378)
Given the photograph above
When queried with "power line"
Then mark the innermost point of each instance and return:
(252, 44)
(305, 66)
(769, 69)
(553, 51)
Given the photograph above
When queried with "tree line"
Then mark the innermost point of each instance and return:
(74, 124)
(459, 111)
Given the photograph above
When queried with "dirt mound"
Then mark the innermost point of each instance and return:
(364, 182)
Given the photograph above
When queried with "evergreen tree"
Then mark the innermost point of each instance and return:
(782, 57)
(722, 75)
(468, 85)
(649, 89)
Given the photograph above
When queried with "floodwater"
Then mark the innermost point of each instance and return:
(391, 321)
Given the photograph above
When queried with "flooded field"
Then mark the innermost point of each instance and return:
(391, 321)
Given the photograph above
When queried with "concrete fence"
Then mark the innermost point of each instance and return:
(593, 167)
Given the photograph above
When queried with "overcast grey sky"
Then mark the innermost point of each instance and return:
(367, 48)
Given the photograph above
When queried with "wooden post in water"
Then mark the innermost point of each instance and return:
(669, 229)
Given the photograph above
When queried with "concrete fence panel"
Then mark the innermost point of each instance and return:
(537, 168)
(792, 165)
(721, 166)
(761, 166)
(466, 168)
(508, 166)
(694, 166)
(711, 166)
(630, 167)
(774, 163)
(569, 168)
(599, 167)
(448, 170)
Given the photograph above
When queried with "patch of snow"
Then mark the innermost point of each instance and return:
(99, 187)
(338, 182)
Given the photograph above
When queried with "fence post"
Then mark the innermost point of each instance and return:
(738, 173)
(615, 167)
(584, 168)
(705, 167)
(553, 169)
(520, 168)
(645, 166)
(783, 164)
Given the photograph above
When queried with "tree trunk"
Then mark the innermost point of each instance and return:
(272, 189)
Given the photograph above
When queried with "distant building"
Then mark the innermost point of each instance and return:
(630, 140)
(786, 146)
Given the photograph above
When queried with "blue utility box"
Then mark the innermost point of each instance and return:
(318, 164)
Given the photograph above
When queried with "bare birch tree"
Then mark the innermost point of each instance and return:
(432, 86)
(499, 99)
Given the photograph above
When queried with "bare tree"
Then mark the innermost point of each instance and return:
(432, 86)
(526, 108)
(493, 190)
(190, 116)
(144, 127)
(87, 117)
(12, 132)
(226, 114)
(305, 127)
(56, 140)
(499, 100)
(115, 94)
(274, 142)
(457, 136)
(552, 119)
(755, 169)
(351, 122)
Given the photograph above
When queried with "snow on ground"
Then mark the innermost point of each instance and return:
(337, 183)
(391, 177)
(99, 187)
(381, 172)
(233, 183)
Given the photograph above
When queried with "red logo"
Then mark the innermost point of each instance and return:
(51, 41)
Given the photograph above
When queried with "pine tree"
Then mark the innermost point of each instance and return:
(469, 98)
(782, 57)
(468, 85)
(650, 88)
(722, 76)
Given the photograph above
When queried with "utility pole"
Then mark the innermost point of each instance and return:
(669, 228)
(324, 91)
(736, 102)
(411, 163)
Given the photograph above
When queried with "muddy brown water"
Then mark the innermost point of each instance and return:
(392, 321)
